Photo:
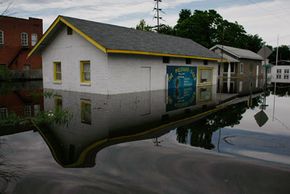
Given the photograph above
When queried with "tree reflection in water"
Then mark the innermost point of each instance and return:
(199, 133)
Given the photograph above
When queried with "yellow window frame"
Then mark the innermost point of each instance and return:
(199, 75)
(86, 111)
(57, 102)
(55, 71)
(82, 71)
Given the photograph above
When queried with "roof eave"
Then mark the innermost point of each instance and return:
(159, 54)
(106, 50)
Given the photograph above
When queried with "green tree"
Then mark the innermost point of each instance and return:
(283, 53)
(143, 26)
(166, 29)
(209, 28)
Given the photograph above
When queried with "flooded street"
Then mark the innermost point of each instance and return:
(235, 140)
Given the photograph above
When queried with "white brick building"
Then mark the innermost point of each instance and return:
(85, 56)
(281, 72)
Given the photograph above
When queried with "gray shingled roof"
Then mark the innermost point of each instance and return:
(239, 53)
(122, 38)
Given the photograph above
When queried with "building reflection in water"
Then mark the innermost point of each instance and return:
(98, 121)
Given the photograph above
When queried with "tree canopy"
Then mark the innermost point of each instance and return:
(209, 28)
(283, 53)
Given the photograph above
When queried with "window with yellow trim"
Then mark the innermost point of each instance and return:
(205, 76)
(86, 114)
(57, 102)
(85, 71)
(57, 71)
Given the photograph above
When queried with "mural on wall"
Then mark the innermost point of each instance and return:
(181, 87)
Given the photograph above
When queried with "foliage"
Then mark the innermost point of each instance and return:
(209, 28)
(283, 53)
(143, 26)
(201, 130)
(44, 118)
(166, 29)
(5, 74)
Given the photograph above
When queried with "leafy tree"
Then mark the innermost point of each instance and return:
(283, 53)
(200, 26)
(166, 29)
(143, 26)
(209, 28)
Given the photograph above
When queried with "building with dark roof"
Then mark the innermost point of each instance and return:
(239, 62)
(17, 38)
(87, 56)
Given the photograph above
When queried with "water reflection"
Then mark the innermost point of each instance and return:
(199, 133)
(76, 126)
(100, 120)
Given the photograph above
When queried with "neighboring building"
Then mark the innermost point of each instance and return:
(17, 37)
(238, 63)
(85, 56)
(281, 72)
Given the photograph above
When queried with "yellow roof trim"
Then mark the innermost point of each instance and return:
(52, 26)
(158, 54)
(105, 50)
(88, 38)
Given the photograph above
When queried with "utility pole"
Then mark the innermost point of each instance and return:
(158, 10)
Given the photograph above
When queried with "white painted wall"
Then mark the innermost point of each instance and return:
(126, 72)
(110, 74)
(70, 50)
(274, 74)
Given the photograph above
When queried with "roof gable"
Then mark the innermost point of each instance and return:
(116, 39)
(239, 53)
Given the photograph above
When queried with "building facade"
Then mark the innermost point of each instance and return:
(238, 63)
(85, 56)
(281, 72)
(17, 37)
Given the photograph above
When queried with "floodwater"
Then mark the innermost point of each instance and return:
(230, 138)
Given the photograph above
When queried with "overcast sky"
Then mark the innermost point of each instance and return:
(268, 18)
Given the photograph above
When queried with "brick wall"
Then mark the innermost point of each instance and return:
(12, 53)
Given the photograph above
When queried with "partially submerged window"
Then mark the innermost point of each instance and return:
(205, 76)
(57, 102)
(57, 71)
(233, 69)
(24, 39)
(27, 111)
(85, 71)
(1, 37)
(241, 68)
(69, 31)
(187, 61)
(86, 112)
(3, 113)
(166, 60)
(33, 39)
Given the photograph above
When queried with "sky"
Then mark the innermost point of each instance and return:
(267, 18)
